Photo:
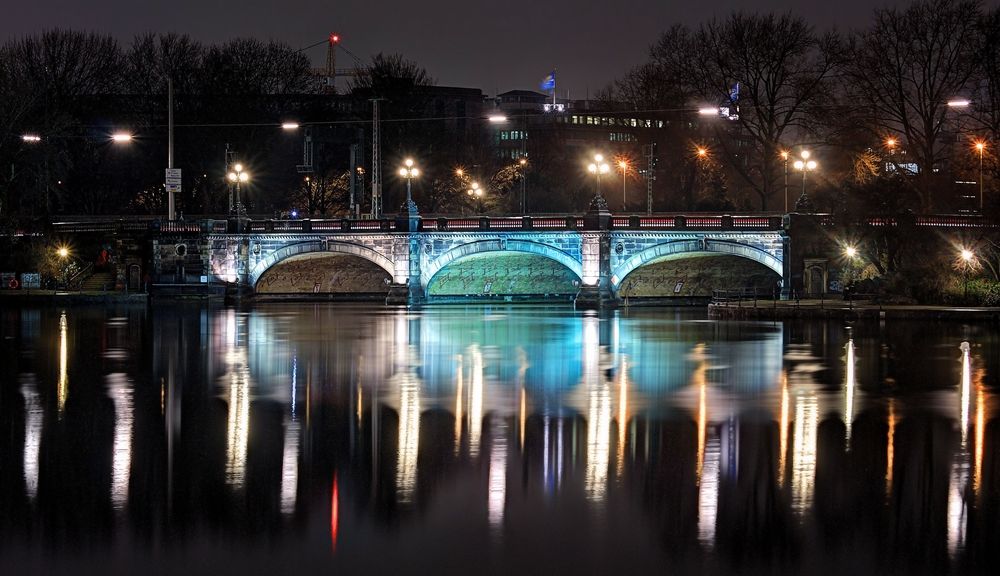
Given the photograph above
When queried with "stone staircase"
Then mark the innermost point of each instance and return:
(98, 282)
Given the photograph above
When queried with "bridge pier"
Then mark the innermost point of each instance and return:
(595, 252)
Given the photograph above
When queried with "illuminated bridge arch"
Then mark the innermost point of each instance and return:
(299, 248)
(694, 245)
(500, 245)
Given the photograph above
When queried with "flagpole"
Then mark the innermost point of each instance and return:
(553, 89)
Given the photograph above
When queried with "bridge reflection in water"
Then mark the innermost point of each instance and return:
(740, 441)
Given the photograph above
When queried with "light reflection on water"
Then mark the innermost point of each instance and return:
(701, 436)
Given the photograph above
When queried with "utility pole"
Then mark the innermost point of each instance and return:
(376, 162)
(354, 205)
(230, 157)
(649, 151)
(171, 207)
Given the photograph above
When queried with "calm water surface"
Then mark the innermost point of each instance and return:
(514, 440)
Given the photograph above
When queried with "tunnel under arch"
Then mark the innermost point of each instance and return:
(323, 268)
(492, 269)
(696, 273)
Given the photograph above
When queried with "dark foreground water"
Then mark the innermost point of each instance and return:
(465, 440)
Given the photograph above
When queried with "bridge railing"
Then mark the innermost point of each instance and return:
(922, 221)
(553, 222)
(739, 295)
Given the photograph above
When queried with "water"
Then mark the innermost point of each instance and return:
(507, 440)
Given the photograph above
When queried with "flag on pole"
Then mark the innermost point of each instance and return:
(549, 83)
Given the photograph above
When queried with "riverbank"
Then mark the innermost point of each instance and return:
(65, 298)
(839, 309)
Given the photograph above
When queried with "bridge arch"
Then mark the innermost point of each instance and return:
(299, 248)
(499, 245)
(693, 245)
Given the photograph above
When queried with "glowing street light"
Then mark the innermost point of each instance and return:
(523, 163)
(289, 125)
(967, 261)
(31, 138)
(805, 165)
(980, 147)
(238, 177)
(409, 171)
(496, 118)
(850, 251)
(598, 167)
(477, 193)
(62, 252)
(959, 103)
(784, 159)
(708, 111)
(121, 137)
(623, 166)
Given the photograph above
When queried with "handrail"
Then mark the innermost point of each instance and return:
(76, 280)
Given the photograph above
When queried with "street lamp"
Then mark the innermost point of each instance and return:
(980, 147)
(121, 137)
(598, 167)
(851, 253)
(784, 158)
(477, 193)
(409, 171)
(238, 177)
(523, 163)
(805, 165)
(967, 263)
(623, 166)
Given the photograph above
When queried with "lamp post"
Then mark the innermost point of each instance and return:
(967, 257)
(784, 159)
(239, 177)
(477, 193)
(523, 163)
(851, 253)
(980, 147)
(598, 167)
(805, 165)
(409, 171)
(623, 165)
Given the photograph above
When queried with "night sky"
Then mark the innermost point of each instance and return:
(495, 46)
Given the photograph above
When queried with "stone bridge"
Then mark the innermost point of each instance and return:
(597, 252)
(595, 258)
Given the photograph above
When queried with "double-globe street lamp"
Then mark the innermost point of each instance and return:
(409, 171)
(598, 167)
(238, 177)
(476, 193)
(805, 165)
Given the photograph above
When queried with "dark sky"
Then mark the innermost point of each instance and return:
(498, 45)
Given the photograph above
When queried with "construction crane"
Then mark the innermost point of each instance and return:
(329, 74)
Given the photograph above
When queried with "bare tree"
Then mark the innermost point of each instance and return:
(904, 70)
(768, 69)
(322, 194)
